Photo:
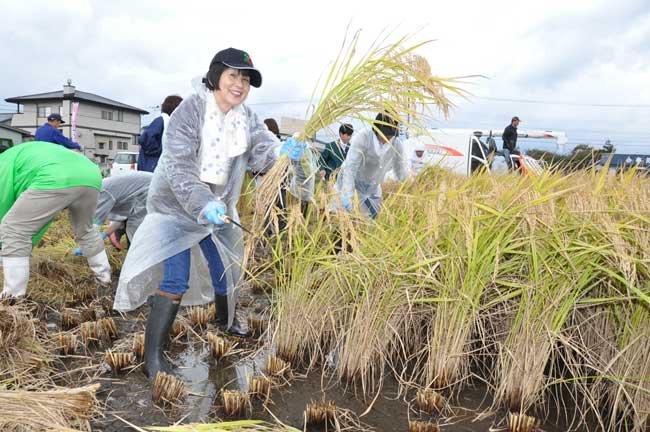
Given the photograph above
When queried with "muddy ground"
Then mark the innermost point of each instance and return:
(128, 395)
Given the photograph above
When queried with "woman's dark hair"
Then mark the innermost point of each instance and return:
(211, 79)
(346, 129)
(170, 103)
(386, 124)
(273, 126)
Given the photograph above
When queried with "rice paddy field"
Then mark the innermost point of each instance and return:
(490, 303)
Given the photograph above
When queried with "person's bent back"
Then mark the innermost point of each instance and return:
(40, 179)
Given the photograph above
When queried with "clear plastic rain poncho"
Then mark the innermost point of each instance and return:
(124, 197)
(177, 197)
(365, 167)
(303, 176)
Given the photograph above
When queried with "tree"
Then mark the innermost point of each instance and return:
(608, 147)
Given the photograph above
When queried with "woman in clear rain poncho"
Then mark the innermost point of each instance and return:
(370, 157)
(184, 243)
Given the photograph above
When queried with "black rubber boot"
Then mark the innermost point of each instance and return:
(221, 303)
(162, 313)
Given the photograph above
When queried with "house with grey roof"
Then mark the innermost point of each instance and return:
(103, 126)
(10, 136)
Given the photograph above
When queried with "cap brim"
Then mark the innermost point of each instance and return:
(256, 76)
(62, 122)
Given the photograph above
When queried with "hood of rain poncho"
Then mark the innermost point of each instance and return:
(177, 197)
(365, 168)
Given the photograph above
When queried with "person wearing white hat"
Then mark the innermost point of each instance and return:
(417, 161)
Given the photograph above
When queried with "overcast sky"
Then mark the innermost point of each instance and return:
(568, 57)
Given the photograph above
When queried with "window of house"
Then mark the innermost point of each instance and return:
(44, 111)
(122, 145)
(107, 115)
(110, 145)
(120, 116)
(101, 145)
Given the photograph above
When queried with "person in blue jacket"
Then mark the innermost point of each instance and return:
(151, 139)
(50, 132)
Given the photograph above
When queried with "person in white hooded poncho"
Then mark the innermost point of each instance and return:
(185, 251)
(370, 157)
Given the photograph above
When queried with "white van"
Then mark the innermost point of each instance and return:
(464, 151)
(124, 162)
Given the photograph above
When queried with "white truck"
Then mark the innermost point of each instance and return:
(464, 151)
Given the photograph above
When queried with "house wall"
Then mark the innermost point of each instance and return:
(95, 128)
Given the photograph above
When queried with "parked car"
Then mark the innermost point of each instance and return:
(124, 162)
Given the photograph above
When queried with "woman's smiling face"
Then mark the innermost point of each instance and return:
(234, 86)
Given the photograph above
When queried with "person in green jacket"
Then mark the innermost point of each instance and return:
(334, 154)
(39, 180)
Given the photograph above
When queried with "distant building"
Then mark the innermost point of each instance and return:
(6, 119)
(624, 161)
(10, 136)
(104, 126)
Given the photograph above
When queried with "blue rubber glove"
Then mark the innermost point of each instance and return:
(104, 235)
(293, 148)
(346, 200)
(77, 252)
(214, 212)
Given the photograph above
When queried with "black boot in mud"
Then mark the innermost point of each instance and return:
(162, 313)
(236, 329)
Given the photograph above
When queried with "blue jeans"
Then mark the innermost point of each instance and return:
(177, 270)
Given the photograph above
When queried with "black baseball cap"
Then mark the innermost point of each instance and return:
(238, 59)
(55, 117)
(515, 118)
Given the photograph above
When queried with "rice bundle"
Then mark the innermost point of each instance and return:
(260, 386)
(119, 361)
(138, 345)
(429, 401)
(219, 347)
(68, 343)
(276, 367)
(168, 390)
(47, 410)
(107, 329)
(423, 426)
(256, 325)
(198, 316)
(235, 403)
(70, 318)
(90, 333)
(320, 413)
(23, 347)
(522, 423)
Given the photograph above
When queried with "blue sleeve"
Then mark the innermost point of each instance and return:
(58, 138)
(151, 138)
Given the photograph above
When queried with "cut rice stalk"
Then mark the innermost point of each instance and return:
(423, 426)
(68, 343)
(138, 345)
(236, 403)
(429, 401)
(107, 328)
(320, 413)
(219, 347)
(199, 317)
(119, 361)
(260, 386)
(168, 390)
(276, 367)
(522, 423)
